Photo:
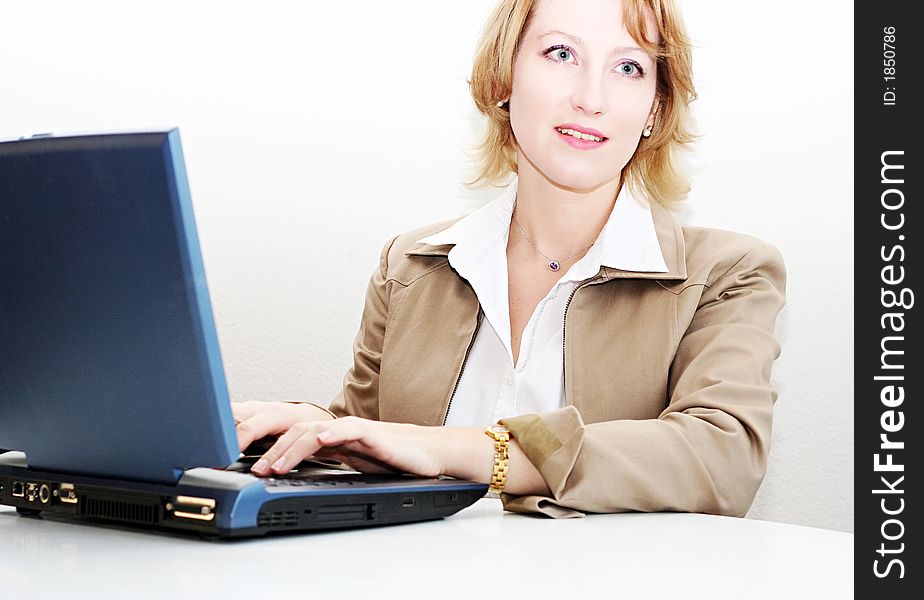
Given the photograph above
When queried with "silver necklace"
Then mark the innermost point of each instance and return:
(554, 264)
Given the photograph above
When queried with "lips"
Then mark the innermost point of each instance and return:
(581, 138)
(588, 131)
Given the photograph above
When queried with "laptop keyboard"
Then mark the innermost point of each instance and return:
(311, 473)
(296, 480)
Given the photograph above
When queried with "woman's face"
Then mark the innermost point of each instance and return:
(578, 68)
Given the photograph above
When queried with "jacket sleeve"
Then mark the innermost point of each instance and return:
(707, 451)
(360, 392)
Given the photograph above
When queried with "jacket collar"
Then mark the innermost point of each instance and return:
(497, 213)
(670, 238)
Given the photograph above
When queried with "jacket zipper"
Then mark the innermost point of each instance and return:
(462, 370)
(475, 334)
(564, 327)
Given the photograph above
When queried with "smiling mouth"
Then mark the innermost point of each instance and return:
(581, 136)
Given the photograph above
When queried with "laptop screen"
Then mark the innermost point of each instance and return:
(109, 359)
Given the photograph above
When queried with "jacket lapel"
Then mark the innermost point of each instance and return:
(432, 327)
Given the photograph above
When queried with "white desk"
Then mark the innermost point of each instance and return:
(668, 555)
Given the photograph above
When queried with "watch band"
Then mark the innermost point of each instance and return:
(501, 437)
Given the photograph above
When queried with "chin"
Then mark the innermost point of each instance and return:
(576, 179)
(573, 173)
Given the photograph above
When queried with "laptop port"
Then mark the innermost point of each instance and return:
(19, 489)
(44, 493)
(66, 493)
(408, 503)
(32, 490)
(189, 507)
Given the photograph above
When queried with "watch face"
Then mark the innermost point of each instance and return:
(499, 429)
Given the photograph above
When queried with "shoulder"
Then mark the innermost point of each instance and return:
(404, 259)
(407, 241)
(711, 254)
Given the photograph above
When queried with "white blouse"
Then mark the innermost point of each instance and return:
(492, 387)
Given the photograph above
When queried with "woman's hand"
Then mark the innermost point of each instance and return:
(368, 446)
(255, 420)
(378, 447)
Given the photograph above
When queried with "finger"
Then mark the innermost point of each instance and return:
(269, 421)
(342, 431)
(247, 432)
(307, 440)
(305, 446)
(277, 457)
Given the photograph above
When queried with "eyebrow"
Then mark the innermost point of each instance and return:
(616, 50)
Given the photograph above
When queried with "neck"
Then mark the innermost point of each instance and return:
(560, 221)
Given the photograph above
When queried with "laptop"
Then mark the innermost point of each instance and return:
(113, 400)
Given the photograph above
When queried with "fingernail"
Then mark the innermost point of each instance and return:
(279, 464)
(324, 435)
(260, 465)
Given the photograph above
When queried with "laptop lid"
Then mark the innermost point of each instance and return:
(109, 358)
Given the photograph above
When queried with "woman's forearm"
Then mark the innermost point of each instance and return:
(469, 454)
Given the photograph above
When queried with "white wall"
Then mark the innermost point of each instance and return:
(314, 131)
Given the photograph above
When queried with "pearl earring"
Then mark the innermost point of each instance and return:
(501, 103)
(647, 132)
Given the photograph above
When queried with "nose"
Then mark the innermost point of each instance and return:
(588, 96)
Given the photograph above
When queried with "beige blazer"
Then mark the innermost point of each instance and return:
(667, 375)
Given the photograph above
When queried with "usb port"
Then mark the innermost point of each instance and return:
(408, 503)
(19, 489)
(66, 493)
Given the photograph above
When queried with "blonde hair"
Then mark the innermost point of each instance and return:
(652, 170)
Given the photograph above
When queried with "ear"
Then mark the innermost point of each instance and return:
(654, 111)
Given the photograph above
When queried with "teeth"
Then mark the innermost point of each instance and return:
(579, 135)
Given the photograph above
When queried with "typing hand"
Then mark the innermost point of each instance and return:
(257, 421)
(368, 446)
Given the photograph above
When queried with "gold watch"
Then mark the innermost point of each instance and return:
(501, 437)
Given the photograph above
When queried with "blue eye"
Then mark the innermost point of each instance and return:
(630, 69)
(559, 54)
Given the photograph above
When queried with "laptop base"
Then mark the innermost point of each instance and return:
(216, 503)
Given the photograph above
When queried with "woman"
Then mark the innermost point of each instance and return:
(623, 359)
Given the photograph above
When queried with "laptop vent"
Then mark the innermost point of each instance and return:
(279, 518)
(116, 510)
